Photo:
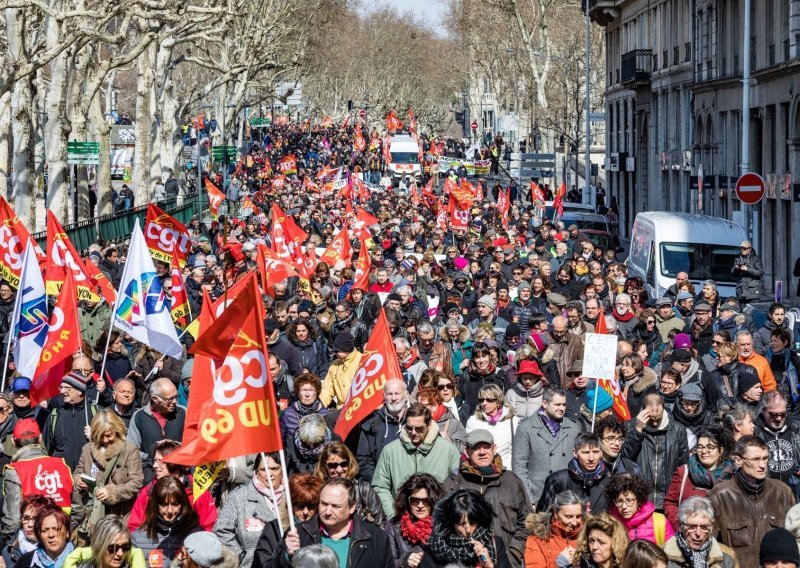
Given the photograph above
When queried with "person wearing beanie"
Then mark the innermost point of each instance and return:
(586, 474)
(750, 504)
(488, 314)
(466, 296)
(336, 385)
(778, 550)
(523, 308)
(203, 549)
(749, 391)
(67, 427)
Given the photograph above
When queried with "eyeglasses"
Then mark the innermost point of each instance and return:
(338, 465)
(22, 394)
(83, 371)
(28, 518)
(625, 502)
(651, 322)
(5, 409)
(705, 529)
(447, 386)
(409, 428)
(757, 460)
(776, 414)
(418, 501)
(167, 400)
(709, 448)
(616, 439)
(715, 342)
(487, 400)
(114, 548)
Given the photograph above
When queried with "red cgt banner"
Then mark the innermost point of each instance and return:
(166, 237)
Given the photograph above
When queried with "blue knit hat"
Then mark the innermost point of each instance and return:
(604, 400)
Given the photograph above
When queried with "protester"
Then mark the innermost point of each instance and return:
(496, 417)
(51, 528)
(694, 544)
(554, 532)
(411, 527)
(602, 542)
(110, 548)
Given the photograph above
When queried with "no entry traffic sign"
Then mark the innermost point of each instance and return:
(750, 188)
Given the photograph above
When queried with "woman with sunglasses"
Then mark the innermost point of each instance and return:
(249, 508)
(51, 529)
(111, 548)
(337, 461)
(445, 385)
(412, 525)
(495, 415)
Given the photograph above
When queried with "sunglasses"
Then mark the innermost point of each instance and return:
(777, 414)
(487, 400)
(448, 386)
(419, 429)
(338, 465)
(418, 501)
(114, 548)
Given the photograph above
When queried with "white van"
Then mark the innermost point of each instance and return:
(663, 244)
(405, 159)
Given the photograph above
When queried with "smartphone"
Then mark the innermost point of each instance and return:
(90, 481)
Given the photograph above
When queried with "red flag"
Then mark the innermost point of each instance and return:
(558, 202)
(378, 364)
(247, 204)
(359, 143)
(363, 266)
(503, 205)
(339, 249)
(14, 237)
(459, 213)
(286, 235)
(241, 416)
(215, 197)
(536, 192)
(63, 339)
(166, 237)
(392, 122)
(101, 282)
(346, 121)
(326, 122)
(278, 183)
(412, 121)
(344, 186)
(367, 218)
(202, 376)
(427, 189)
(272, 269)
(288, 165)
(414, 195)
(62, 258)
(309, 185)
(363, 189)
(611, 386)
(179, 307)
(479, 192)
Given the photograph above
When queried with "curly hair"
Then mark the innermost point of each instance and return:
(610, 527)
(291, 331)
(412, 485)
(306, 379)
(624, 483)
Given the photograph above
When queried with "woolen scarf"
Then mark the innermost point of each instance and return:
(448, 547)
(586, 478)
(416, 531)
(553, 426)
(42, 560)
(629, 315)
(695, 558)
(272, 497)
(303, 410)
(704, 478)
(311, 453)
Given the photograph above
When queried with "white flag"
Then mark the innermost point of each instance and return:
(142, 310)
(30, 322)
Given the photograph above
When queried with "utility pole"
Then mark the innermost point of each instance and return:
(746, 72)
(589, 195)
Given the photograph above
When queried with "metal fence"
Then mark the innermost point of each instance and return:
(118, 226)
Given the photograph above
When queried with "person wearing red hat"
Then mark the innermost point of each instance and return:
(525, 397)
(31, 472)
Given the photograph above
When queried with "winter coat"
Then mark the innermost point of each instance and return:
(592, 492)
(401, 459)
(369, 545)
(521, 314)
(664, 326)
(82, 558)
(565, 353)
(545, 543)
(701, 338)
(401, 548)
(204, 506)
(460, 350)
(268, 542)
(537, 454)
(720, 556)
(112, 271)
(784, 366)
(641, 526)
(118, 365)
(171, 368)
(471, 384)
(743, 518)
(749, 285)
(502, 433)
(761, 338)
(313, 355)
(784, 447)
(498, 324)
(337, 382)
(168, 539)
(287, 353)
(242, 519)
(506, 495)
(358, 329)
(502, 558)
(658, 452)
(646, 384)
(289, 420)
(525, 403)
(376, 432)
(63, 433)
(123, 481)
(680, 489)
(452, 430)
(763, 369)
(713, 383)
(93, 321)
(144, 431)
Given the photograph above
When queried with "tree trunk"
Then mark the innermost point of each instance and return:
(102, 134)
(56, 133)
(5, 141)
(22, 126)
(144, 149)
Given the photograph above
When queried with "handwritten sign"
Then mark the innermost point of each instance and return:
(599, 356)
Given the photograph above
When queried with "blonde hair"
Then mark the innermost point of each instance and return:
(610, 527)
(728, 349)
(495, 392)
(105, 420)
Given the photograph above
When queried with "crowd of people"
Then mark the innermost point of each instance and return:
(491, 449)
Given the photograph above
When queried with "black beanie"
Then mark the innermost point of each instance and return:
(344, 342)
(747, 380)
(778, 545)
(513, 330)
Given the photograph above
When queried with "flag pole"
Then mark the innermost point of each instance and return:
(287, 492)
(272, 489)
(5, 365)
(594, 406)
(17, 313)
(108, 338)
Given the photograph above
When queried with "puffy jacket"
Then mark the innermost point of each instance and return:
(658, 452)
(378, 430)
(761, 338)
(720, 556)
(313, 355)
(204, 506)
(743, 518)
(762, 367)
(337, 382)
(525, 403)
(749, 285)
(498, 324)
(502, 433)
(592, 492)
(537, 454)
(401, 459)
(546, 542)
(713, 383)
(641, 526)
(521, 314)
(505, 492)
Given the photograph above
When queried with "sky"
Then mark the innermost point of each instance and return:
(428, 11)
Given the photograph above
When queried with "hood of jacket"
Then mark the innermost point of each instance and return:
(647, 380)
(463, 334)
(538, 524)
(427, 443)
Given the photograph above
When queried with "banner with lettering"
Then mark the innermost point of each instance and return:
(14, 237)
(61, 257)
(339, 249)
(166, 237)
(215, 197)
(378, 364)
(288, 165)
(239, 415)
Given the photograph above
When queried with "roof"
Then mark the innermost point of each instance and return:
(696, 228)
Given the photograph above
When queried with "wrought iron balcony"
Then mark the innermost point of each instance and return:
(636, 67)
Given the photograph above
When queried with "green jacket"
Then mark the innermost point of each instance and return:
(400, 459)
(94, 321)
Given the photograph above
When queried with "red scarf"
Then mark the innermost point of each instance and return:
(416, 532)
(439, 412)
(627, 317)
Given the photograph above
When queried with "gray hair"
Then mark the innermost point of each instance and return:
(401, 343)
(565, 499)
(425, 327)
(695, 506)
(156, 386)
(395, 379)
(624, 297)
(611, 323)
(743, 333)
(315, 556)
(711, 283)
(311, 430)
(404, 289)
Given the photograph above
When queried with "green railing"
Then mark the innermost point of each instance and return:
(118, 227)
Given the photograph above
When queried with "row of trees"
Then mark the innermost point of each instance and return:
(533, 54)
(63, 60)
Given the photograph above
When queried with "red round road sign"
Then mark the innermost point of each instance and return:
(750, 188)
(474, 125)
(362, 113)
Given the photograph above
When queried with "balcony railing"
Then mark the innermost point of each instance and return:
(637, 66)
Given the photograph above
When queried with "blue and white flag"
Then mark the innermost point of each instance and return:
(29, 322)
(142, 309)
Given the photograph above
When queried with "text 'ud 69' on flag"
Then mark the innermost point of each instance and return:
(378, 364)
(142, 309)
(239, 415)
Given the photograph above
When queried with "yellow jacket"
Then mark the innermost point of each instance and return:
(337, 382)
(81, 555)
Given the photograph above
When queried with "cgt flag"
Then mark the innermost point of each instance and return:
(61, 258)
(239, 415)
(63, 339)
(166, 236)
(378, 364)
(215, 197)
(179, 307)
(339, 249)
(288, 165)
(142, 310)
(363, 266)
(14, 237)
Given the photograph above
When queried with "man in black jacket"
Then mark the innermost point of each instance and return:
(586, 474)
(67, 428)
(612, 436)
(502, 489)
(335, 521)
